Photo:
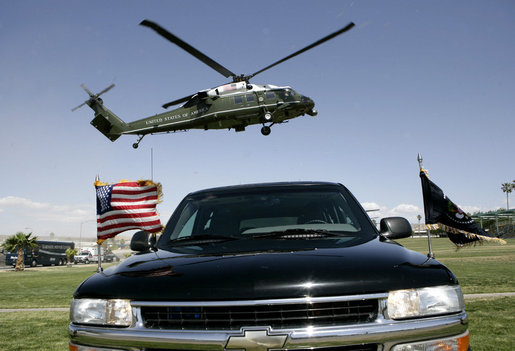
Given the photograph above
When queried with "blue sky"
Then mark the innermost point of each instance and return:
(435, 77)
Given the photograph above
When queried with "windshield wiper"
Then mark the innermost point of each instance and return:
(202, 239)
(298, 233)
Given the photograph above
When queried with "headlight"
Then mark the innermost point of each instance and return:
(101, 312)
(425, 301)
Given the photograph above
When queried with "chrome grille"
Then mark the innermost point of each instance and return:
(277, 316)
(367, 347)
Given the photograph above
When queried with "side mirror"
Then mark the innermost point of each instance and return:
(139, 241)
(395, 228)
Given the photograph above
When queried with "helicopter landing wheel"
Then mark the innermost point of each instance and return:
(136, 144)
(268, 117)
(265, 130)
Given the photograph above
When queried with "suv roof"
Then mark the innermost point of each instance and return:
(297, 184)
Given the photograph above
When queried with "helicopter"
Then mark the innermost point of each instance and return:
(234, 105)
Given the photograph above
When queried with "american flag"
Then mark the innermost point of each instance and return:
(125, 206)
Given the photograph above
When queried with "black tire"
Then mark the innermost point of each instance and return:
(265, 130)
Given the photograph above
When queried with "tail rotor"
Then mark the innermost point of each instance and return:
(92, 97)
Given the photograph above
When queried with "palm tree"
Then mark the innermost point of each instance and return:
(20, 241)
(507, 188)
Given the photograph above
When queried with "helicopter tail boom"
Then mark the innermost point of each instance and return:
(105, 121)
(108, 124)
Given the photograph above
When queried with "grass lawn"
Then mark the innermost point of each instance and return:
(480, 269)
(491, 324)
(486, 268)
(42, 286)
(34, 331)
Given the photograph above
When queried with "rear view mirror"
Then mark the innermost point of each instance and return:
(395, 228)
(139, 241)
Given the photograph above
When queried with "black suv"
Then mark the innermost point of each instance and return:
(281, 266)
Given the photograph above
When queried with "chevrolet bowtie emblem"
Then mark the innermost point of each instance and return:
(256, 340)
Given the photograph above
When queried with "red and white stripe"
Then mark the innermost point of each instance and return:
(133, 207)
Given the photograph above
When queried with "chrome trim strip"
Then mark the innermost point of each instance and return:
(289, 301)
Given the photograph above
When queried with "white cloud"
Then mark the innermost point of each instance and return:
(472, 209)
(408, 211)
(42, 210)
(370, 206)
(21, 202)
(18, 214)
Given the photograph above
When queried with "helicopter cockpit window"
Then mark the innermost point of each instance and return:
(289, 94)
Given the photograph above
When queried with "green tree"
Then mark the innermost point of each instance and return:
(507, 188)
(19, 242)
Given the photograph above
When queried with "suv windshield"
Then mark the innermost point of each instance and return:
(257, 212)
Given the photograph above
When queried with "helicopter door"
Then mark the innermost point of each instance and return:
(266, 109)
(260, 98)
(261, 102)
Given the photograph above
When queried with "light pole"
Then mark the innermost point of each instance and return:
(80, 233)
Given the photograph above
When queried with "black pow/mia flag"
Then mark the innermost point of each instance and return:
(442, 213)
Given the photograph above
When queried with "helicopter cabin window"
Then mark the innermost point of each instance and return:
(238, 99)
(250, 97)
(270, 95)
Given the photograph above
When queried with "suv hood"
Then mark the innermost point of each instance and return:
(375, 266)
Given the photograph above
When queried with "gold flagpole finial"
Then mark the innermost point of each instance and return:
(419, 159)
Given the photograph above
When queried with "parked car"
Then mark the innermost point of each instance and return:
(282, 266)
(83, 257)
(110, 257)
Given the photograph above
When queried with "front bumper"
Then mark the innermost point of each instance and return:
(383, 332)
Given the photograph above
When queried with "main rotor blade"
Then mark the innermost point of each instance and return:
(318, 42)
(178, 101)
(87, 90)
(188, 48)
(76, 108)
(106, 90)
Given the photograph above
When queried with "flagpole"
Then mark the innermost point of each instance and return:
(99, 248)
(430, 253)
